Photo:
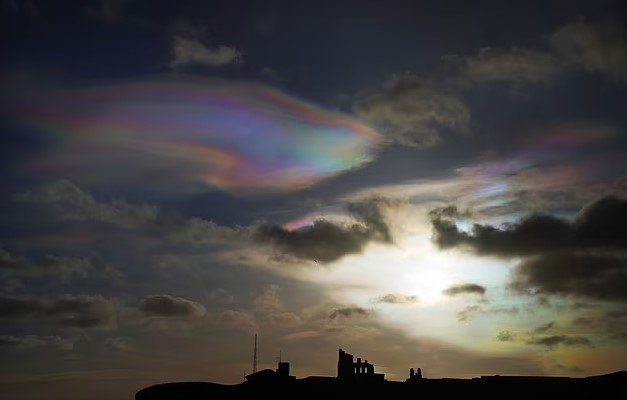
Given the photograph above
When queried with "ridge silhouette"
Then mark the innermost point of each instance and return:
(358, 379)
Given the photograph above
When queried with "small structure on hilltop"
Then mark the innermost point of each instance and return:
(349, 370)
(281, 374)
(414, 376)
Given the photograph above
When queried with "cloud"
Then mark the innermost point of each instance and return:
(301, 335)
(62, 268)
(348, 312)
(68, 310)
(561, 340)
(505, 336)
(544, 328)
(170, 306)
(597, 47)
(472, 311)
(395, 298)
(33, 341)
(326, 241)
(469, 288)
(272, 75)
(584, 257)
(117, 344)
(68, 202)
(413, 112)
(269, 304)
(191, 51)
(595, 276)
(468, 313)
(240, 319)
(514, 65)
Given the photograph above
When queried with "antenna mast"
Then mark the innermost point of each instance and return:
(255, 356)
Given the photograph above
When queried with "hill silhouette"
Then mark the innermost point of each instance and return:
(357, 379)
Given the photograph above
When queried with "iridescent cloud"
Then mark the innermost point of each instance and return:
(225, 134)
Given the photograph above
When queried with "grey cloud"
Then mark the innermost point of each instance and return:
(470, 312)
(117, 344)
(598, 48)
(68, 310)
(414, 112)
(561, 340)
(537, 233)
(33, 341)
(191, 51)
(514, 65)
(505, 336)
(395, 298)
(587, 275)
(325, 241)
(62, 268)
(348, 312)
(619, 336)
(544, 328)
(272, 75)
(240, 319)
(584, 257)
(470, 288)
(170, 306)
(68, 202)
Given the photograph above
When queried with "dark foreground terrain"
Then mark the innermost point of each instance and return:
(611, 386)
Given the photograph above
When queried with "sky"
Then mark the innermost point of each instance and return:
(436, 185)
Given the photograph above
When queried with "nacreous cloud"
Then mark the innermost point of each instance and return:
(585, 257)
(182, 134)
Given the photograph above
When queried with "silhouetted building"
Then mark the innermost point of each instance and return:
(282, 373)
(414, 376)
(348, 369)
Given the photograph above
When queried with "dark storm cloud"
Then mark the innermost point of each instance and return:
(395, 298)
(170, 306)
(588, 275)
(470, 288)
(348, 312)
(68, 310)
(596, 227)
(325, 241)
(585, 257)
(561, 340)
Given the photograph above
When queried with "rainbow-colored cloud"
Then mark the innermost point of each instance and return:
(191, 131)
